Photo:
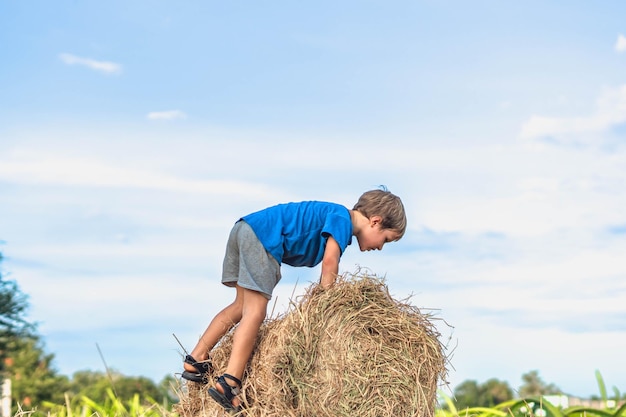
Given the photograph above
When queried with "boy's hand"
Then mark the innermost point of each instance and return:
(330, 263)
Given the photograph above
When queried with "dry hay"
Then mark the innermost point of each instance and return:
(351, 350)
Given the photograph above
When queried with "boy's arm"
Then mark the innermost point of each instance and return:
(330, 263)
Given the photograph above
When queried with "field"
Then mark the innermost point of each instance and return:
(527, 407)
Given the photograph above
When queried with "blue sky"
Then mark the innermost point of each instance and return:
(133, 135)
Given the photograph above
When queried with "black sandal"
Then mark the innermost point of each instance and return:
(230, 392)
(203, 369)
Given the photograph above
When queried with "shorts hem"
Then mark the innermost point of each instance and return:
(233, 284)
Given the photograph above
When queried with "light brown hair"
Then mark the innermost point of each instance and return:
(383, 203)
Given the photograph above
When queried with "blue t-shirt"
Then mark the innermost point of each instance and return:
(296, 233)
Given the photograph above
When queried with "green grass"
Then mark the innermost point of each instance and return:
(82, 406)
(527, 407)
(112, 407)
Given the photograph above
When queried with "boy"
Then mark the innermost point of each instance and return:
(298, 234)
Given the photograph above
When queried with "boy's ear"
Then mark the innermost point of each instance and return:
(374, 220)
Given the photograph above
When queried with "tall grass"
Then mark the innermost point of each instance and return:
(528, 407)
(538, 407)
(83, 406)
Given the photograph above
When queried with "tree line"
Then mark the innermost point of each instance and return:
(492, 392)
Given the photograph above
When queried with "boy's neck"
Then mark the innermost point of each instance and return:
(358, 221)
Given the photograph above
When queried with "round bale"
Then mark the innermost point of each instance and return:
(351, 350)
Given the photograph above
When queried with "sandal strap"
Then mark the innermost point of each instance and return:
(232, 378)
(229, 391)
(202, 367)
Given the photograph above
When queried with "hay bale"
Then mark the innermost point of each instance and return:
(351, 350)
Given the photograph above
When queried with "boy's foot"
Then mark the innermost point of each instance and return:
(226, 395)
(197, 371)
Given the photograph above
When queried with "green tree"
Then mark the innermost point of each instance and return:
(534, 386)
(32, 376)
(170, 389)
(466, 394)
(13, 324)
(495, 392)
(94, 385)
(472, 394)
(22, 358)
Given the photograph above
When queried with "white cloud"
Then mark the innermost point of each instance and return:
(31, 167)
(610, 111)
(167, 115)
(620, 45)
(537, 190)
(101, 66)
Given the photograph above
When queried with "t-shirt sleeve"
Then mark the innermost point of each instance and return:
(340, 228)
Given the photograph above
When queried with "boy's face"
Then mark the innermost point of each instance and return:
(374, 237)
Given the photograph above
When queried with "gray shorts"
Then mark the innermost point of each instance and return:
(247, 263)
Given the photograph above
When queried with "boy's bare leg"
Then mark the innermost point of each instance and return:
(244, 339)
(219, 326)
